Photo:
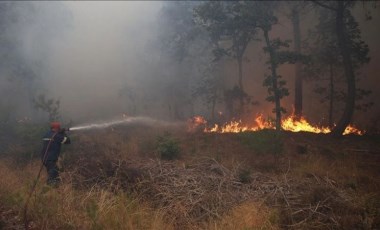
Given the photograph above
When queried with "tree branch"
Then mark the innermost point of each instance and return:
(324, 5)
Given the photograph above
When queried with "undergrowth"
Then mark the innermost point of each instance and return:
(263, 142)
(100, 188)
(168, 147)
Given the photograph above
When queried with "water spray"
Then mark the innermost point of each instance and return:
(128, 120)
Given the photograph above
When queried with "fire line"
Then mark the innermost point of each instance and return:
(288, 124)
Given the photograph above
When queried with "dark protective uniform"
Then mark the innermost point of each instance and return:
(50, 152)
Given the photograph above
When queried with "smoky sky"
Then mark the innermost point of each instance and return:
(98, 54)
(86, 53)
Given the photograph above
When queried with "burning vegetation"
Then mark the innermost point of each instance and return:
(160, 63)
(290, 123)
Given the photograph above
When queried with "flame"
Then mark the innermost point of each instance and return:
(195, 122)
(199, 120)
(350, 129)
(288, 124)
(237, 126)
(291, 124)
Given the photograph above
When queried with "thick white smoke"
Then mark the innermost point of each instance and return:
(101, 53)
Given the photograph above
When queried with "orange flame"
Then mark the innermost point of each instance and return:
(194, 123)
(288, 124)
(291, 124)
(350, 129)
(237, 126)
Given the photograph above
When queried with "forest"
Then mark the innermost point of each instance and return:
(191, 114)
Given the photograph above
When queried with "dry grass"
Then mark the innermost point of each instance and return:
(113, 180)
(12, 193)
(9, 179)
(97, 208)
(346, 172)
(69, 208)
(340, 186)
(249, 215)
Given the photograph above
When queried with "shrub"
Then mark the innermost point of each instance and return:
(167, 147)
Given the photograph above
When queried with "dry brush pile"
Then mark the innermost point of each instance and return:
(195, 192)
(204, 190)
(192, 193)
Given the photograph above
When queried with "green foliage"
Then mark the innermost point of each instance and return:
(265, 18)
(263, 142)
(281, 90)
(224, 22)
(48, 105)
(274, 83)
(167, 147)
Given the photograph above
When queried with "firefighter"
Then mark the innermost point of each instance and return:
(51, 149)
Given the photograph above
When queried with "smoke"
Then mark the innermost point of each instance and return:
(28, 31)
(105, 58)
(103, 52)
(82, 53)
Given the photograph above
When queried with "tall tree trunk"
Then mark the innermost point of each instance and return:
(298, 65)
(241, 98)
(331, 95)
(274, 81)
(348, 71)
